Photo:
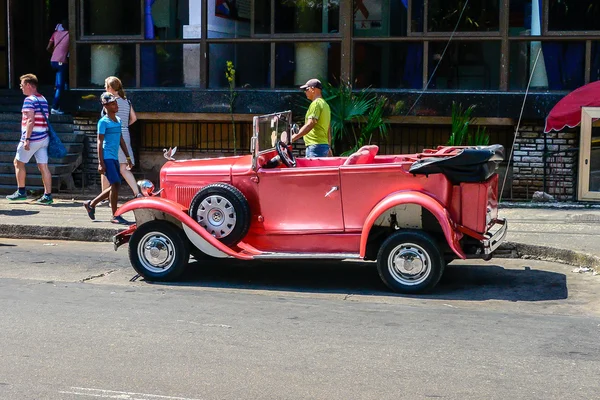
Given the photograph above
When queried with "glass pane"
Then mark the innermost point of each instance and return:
(262, 16)
(97, 61)
(306, 16)
(171, 19)
(595, 66)
(520, 18)
(417, 15)
(595, 161)
(561, 65)
(388, 65)
(481, 16)
(574, 15)
(162, 65)
(228, 18)
(374, 17)
(466, 65)
(251, 62)
(296, 63)
(111, 17)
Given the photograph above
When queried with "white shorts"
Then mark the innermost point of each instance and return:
(38, 148)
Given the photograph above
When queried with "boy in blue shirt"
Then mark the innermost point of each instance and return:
(109, 140)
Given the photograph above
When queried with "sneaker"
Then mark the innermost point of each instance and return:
(56, 112)
(120, 220)
(17, 196)
(104, 203)
(90, 210)
(45, 199)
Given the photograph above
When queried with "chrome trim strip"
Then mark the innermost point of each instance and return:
(321, 256)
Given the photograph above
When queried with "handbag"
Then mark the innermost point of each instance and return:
(56, 149)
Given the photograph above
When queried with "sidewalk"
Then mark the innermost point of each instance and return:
(568, 233)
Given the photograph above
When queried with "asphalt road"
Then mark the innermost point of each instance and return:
(74, 326)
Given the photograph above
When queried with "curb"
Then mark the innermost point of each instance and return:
(57, 233)
(545, 253)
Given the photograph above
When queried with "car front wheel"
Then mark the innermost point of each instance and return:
(223, 211)
(159, 251)
(409, 261)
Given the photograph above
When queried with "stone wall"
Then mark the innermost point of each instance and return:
(560, 160)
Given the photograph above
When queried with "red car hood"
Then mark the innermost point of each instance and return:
(219, 169)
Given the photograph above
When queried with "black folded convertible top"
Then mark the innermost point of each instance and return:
(472, 164)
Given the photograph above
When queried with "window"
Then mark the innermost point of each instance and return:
(573, 15)
(296, 16)
(111, 18)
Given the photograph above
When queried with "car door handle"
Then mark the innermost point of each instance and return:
(333, 189)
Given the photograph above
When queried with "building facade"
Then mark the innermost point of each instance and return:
(512, 59)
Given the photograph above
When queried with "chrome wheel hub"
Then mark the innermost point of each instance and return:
(156, 252)
(409, 264)
(217, 215)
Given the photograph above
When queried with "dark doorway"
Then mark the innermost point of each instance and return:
(3, 46)
(32, 24)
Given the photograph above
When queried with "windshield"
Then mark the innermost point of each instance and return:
(269, 128)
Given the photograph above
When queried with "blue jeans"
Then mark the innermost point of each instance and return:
(60, 82)
(317, 150)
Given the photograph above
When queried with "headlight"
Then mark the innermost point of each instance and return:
(146, 187)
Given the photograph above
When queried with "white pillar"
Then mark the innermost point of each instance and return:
(105, 59)
(539, 77)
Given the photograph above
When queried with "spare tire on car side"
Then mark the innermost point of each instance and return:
(223, 211)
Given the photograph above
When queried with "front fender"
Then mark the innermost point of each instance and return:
(423, 200)
(178, 212)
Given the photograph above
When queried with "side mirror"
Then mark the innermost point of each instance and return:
(294, 129)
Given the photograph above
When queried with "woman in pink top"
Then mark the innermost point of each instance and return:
(59, 46)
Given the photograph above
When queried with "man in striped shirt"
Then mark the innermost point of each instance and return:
(34, 140)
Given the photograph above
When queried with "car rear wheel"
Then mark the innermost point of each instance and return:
(223, 211)
(159, 251)
(409, 261)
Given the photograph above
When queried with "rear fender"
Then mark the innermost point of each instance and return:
(420, 199)
(151, 208)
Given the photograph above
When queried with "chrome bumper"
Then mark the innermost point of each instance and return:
(494, 240)
(123, 236)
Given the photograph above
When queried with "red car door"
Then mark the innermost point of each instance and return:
(301, 200)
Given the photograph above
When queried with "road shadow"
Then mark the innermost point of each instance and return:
(460, 282)
(18, 213)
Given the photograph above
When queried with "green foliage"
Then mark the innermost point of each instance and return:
(461, 135)
(231, 96)
(355, 115)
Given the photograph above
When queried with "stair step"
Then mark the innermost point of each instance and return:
(32, 169)
(16, 117)
(65, 136)
(10, 189)
(71, 158)
(31, 180)
(16, 127)
(8, 147)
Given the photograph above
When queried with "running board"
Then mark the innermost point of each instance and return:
(298, 256)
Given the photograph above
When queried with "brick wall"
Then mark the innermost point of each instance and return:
(560, 162)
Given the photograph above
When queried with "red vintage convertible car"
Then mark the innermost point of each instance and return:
(413, 213)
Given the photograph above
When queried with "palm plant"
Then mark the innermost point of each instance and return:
(355, 116)
(461, 136)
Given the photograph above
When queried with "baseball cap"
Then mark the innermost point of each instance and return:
(314, 83)
(107, 97)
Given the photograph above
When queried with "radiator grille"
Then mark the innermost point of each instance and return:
(185, 194)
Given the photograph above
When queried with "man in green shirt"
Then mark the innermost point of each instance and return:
(316, 130)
